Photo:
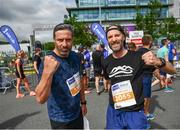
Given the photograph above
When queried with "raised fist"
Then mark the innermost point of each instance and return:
(149, 58)
(50, 64)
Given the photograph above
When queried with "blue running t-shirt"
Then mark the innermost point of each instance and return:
(62, 106)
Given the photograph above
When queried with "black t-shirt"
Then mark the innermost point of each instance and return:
(82, 68)
(148, 70)
(97, 57)
(128, 67)
(37, 58)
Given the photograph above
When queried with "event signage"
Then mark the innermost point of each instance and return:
(99, 31)
(136, 37)
(10, 36)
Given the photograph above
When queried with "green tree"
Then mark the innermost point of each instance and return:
(82, 33)
(156, 25)
(149, 22)
(48, 46)
(171, 28)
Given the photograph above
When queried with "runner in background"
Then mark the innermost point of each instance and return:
(21, 76)
(97, 56)
(87, 66)
(163, 52)
(37, 60)
(105, 55)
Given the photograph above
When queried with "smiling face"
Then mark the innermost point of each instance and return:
(63, 42)
(115, 39)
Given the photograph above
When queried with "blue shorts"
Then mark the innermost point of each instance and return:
(147, 86)
(116, 119)
(162, 73)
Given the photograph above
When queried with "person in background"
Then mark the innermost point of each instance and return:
(37, 60)
(97, 56)
(163, 52)
(132, 46)
(105, 55)
(171, 51)
(82, 68)
(21, 76)
(147, 42)
(87, 66)
(60, 83)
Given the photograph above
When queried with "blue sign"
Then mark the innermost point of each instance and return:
(10, 37)
(99, 31)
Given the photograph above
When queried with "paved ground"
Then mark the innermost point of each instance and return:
(25, 113)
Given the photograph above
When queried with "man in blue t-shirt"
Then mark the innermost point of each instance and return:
(172, 51)
(60, 82)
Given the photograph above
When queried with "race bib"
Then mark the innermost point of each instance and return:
(123, 95)
(74, 84)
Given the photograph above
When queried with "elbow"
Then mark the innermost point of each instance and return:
(40, 100)
(173, 71)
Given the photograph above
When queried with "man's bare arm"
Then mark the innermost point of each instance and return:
(44, 87)
(150, 59)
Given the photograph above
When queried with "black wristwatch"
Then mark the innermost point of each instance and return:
(84, 103)
(163, 62)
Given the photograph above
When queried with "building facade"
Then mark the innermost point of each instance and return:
(175, 9)
(115, 11)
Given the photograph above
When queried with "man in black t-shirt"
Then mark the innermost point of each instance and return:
(97, 55)
(37, 60)
(124, 70)
(81, 57)
(147, 42)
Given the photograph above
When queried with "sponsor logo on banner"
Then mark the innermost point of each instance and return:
(10, 37)
(99, 31)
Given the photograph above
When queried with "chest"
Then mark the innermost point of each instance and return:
(123, 69)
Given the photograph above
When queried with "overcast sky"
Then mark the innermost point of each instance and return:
(21, 15)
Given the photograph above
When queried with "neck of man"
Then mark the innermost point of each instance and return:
(59, 54)
(120, 53)
(146, 46)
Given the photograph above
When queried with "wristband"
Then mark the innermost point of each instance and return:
(163, 62)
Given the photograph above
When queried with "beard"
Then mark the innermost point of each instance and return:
(63, 52)
(116, 46)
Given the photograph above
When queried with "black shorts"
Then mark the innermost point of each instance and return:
(22, 74)
(74, 124)
(97, 72)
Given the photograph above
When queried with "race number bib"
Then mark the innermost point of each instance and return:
(74, 84)
(123, 95)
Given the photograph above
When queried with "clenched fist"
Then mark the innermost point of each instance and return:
(50, 65)
(150, 59)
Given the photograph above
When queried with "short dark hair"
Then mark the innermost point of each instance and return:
(131, 45)
(116, 27)
(63, 26)
(163, 41)
(146, 39)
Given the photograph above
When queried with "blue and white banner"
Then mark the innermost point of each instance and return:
(10, 37)
(99, 31)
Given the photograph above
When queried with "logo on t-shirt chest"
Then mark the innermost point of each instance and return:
(121, 71)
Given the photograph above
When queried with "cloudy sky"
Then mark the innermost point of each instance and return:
(21, 15)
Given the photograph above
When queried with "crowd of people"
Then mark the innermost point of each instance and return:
(126, 74)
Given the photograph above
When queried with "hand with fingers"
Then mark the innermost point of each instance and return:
(150, 59)
(50, 65)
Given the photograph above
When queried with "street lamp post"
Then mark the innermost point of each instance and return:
(100, 11)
